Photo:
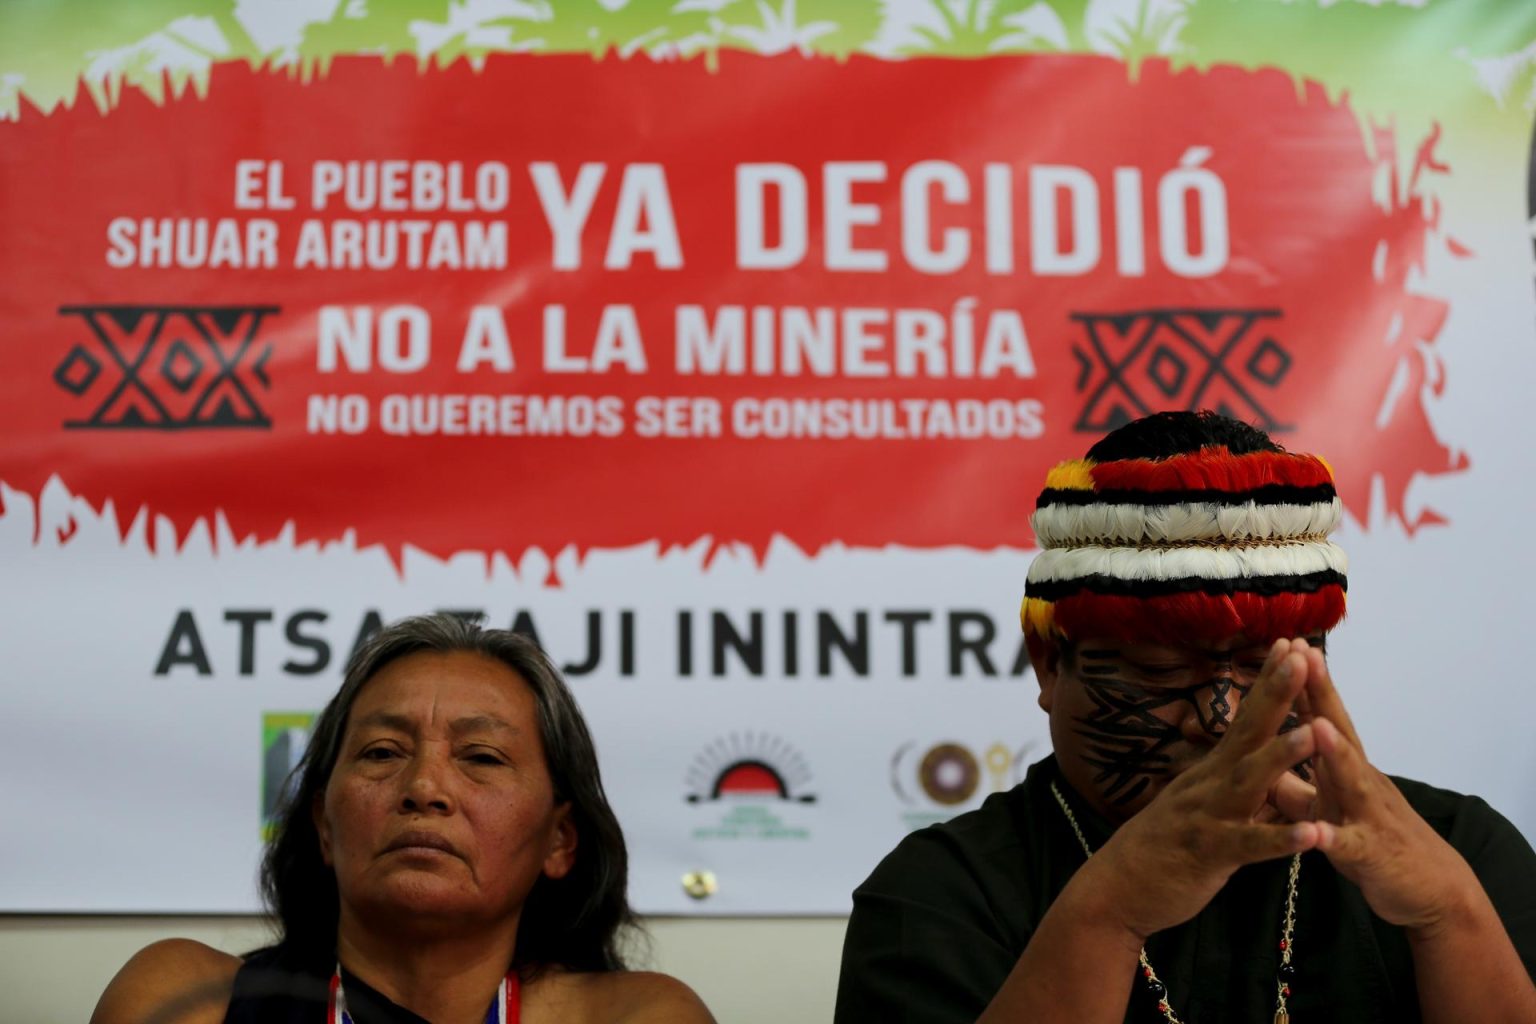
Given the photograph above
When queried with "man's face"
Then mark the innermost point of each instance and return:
(1126, 718)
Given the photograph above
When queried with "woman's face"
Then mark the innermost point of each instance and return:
(440, 803)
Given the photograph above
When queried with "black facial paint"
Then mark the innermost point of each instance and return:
(1126, 740)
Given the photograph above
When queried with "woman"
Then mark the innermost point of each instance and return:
(448, 856)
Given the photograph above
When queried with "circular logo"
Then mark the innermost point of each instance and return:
(949, 774)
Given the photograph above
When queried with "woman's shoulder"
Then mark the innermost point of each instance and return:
(173, 981)
(640, 996)
(612, 997)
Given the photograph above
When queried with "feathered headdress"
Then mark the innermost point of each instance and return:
(1195, 547)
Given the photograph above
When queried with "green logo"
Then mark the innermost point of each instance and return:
(284, 735)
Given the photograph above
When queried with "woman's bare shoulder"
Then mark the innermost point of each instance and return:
(174, 981)
(645, 996)
(614, 997)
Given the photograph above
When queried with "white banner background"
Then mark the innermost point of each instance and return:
(142, 793)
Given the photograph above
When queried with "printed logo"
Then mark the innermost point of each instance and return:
(284, 737)
(937, 781)
(1135, 363)
(757, 777)
(168, 367)
(1530, 192)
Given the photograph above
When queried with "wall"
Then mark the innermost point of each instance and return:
(53, 969)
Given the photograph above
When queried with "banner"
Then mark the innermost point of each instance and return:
(728, 366)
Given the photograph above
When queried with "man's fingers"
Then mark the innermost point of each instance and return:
(1323, 697)
(1294, 799)
(1327, 805)
(1255, 776)
(1265, 707)
(1345, 776)
(1253, 843)
(1343, 844)
(1304, 706)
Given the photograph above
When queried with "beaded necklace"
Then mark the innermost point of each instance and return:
(1158, 990)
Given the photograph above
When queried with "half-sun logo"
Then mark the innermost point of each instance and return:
(750, 773)
(753, 765)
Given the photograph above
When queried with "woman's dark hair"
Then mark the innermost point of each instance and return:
(574, 922)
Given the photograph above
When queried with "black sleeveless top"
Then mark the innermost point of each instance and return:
(274, 986)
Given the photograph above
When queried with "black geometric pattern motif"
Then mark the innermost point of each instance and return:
(168, 367)
(1142, 361)
(181, 367)
(1167, 370)
(1269, 363)
(77, 372)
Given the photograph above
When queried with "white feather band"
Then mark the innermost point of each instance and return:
(1072, 526)
(1212, 563)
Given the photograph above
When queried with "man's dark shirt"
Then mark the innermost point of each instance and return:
(939, 925)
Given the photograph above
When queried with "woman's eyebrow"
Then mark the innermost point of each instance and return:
(388, 720)
(481, 723)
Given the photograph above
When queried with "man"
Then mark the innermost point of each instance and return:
(1248, 862)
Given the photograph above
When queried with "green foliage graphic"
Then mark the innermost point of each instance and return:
(1392, 59)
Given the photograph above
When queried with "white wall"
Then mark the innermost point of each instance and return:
(749, 970)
